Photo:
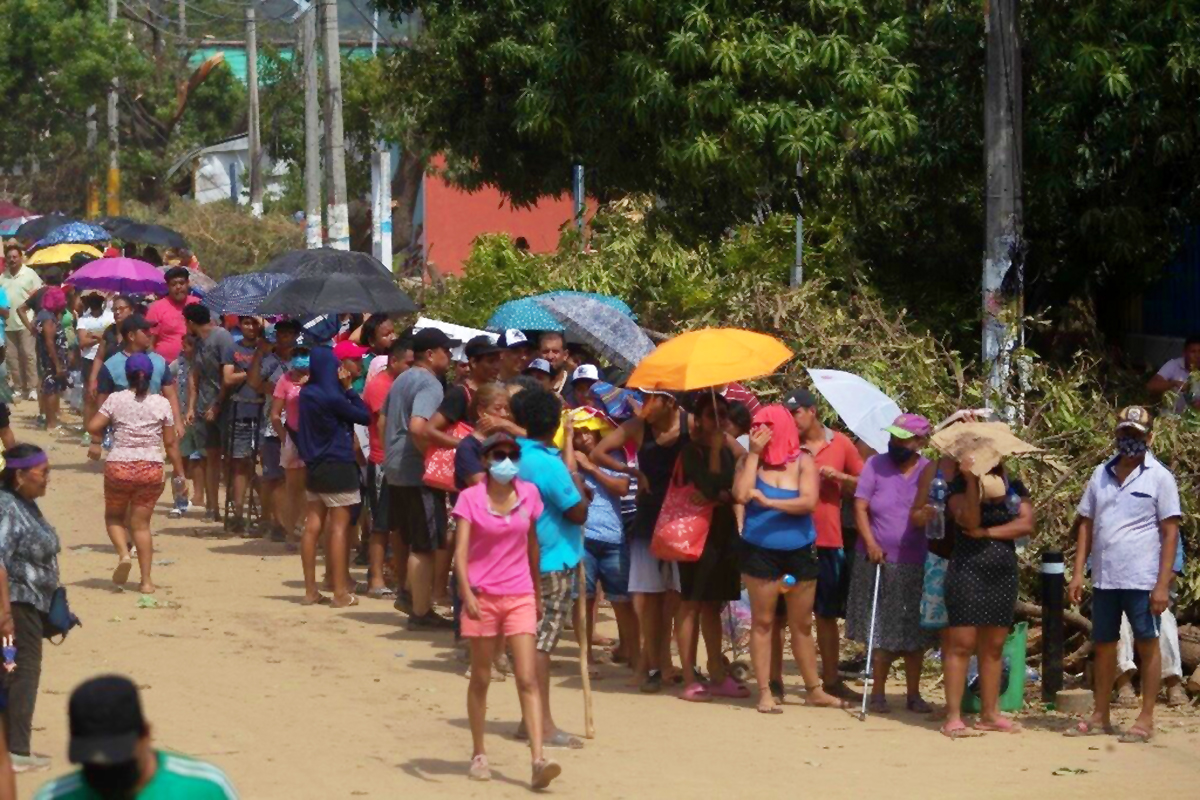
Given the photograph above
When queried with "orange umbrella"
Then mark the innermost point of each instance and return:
(709, 357)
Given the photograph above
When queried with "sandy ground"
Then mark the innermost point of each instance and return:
(296, 702)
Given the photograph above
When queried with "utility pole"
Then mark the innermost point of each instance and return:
(93, 185)
(312, 129)
(335, 148)
(381, 184)
(182, 15)
(579, 196)
(114, 162)
(797, 276)
(256, 187)
(1004, 253)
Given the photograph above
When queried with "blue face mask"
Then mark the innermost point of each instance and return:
(504, 471)
(300, 362)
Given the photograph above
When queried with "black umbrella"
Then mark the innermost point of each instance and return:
(326, 261)
(36, 229)
(338, 293)
(111, 224)
(144, 233)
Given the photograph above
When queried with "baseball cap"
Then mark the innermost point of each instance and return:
(799, 398)
(106, 721)
(497, 439)
(906, 426)
(586, 372)
(539, 365)
(512, 338)
(1135, 417)
(135, 322)
(349, 350)
(432, 339)
(481, 346)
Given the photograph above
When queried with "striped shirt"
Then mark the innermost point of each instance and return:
(177, 778)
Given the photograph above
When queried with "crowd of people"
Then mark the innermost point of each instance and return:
(474, 490)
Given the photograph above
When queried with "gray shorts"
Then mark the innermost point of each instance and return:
(558, 590)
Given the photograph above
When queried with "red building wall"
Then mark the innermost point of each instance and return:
(454, 218)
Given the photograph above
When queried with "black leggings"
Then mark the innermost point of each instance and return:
(23, 683)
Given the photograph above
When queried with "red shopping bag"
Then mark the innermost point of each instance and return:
(439, 461)
(683, 523)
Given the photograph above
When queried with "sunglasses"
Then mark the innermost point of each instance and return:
(500, 455)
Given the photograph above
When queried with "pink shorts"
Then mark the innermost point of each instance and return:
(508, 614)
(289, 456)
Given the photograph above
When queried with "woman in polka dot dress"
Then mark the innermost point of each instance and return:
(981, 588)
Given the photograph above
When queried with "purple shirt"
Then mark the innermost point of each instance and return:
(890, 494)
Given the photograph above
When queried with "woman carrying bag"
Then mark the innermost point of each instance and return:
(29, 578)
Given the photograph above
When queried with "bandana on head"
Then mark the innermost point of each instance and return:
(784, 447)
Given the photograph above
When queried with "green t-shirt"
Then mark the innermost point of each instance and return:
(177, 778)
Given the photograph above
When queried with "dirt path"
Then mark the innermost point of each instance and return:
(298, 702)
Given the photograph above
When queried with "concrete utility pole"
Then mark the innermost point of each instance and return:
(114, 162)
(797, 276)
(335, 148)
(381, 184)
(182, 19)
(579, 196)
(312, 130)
(256, 187)
(93, 186)
(1004, 253)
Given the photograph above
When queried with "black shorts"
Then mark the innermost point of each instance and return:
(419, 513)
(272, 470)
(5, 416)
(378, 499)
(771, 565)
(833, 583)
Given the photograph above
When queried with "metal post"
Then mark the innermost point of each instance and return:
(381, 183)
(580, 196)
(335, 148)
(256, 188)
(312, 131)
(1004, 248)
(114, 162)
(797, 276)
(1053, 579)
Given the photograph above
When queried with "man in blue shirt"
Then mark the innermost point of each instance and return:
(565, 500)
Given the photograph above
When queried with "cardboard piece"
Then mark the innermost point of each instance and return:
(989, 443)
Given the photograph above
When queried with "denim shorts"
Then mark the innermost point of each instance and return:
(607, 563)
(1109, 604)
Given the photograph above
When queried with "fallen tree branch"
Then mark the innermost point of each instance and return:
(1072, 618)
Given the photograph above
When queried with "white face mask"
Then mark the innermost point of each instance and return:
(504, 471)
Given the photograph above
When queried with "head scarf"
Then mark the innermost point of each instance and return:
(586, 419)
(784, 447)
(54, 300)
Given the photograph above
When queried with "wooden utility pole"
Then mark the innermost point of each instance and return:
(312, 130)
(256, 187)
(1004, 253)
(114, 160)
(335, 147)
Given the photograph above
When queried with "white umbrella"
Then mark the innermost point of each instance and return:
(460, 332)
(864, 409)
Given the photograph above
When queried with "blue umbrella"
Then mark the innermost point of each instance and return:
(602, 327)
(243, 294)
(74, 233)
(9, 227)
(528, 314)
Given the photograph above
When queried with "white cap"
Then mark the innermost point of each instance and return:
(586, 372)
(512, 338)
(539, 365)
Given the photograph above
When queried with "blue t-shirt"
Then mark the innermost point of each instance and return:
(604, 512)
(112, 375)
(560, 541)
(3, 305)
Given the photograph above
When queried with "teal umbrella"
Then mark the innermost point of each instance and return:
(528, 314)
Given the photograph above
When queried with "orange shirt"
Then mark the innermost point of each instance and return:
(840, 454)
(374, 396)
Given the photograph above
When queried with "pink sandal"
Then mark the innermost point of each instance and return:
(1001, 725)
(696, 693)
(729, 688)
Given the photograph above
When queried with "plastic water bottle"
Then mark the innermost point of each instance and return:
(939, 492)
(789, 582)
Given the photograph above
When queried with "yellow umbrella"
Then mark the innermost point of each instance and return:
(709, 357)
(61, 254)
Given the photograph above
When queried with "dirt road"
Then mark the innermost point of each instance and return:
(298, 702)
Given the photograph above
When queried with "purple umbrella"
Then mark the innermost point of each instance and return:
(126, 275)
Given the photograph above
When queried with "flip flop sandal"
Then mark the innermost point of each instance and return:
(917, 705)
(878, 706)
(652, 684)
(121, 573)
(729, 688)
(353, 601)
(322, 600)
(777, 691)
(696, 693)
(771, 710)
(960, 731)
(1085, 728)
(563, 741)
(544, 771)
(381, 594)
(1136, 735)
(1001, 725)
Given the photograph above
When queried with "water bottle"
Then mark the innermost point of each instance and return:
(789, 582)
(179, 487)
(939, 492)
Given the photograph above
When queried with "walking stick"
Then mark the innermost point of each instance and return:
(870, 644)
(581, 635)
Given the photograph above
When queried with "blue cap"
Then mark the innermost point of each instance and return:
(139, 362)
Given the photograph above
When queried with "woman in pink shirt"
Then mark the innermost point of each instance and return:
(142, 424)
(285, 419)
(496, 556)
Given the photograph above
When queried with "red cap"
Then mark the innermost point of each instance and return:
(348, 349)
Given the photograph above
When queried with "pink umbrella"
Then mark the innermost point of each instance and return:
(126, 275)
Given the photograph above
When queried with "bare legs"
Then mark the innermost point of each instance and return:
(335, 553)
(800, 617)
(1105, 666)
(139, 519)
(483, 652)
(420, 582)
(243, 468)
(763, 597)
(212, 480)
(829, 643)
(293, 502)
(957, 647)
(693, 619)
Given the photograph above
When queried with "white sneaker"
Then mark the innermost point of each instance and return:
(29, 763)
(32, 395)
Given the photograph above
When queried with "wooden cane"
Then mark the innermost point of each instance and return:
(581, 635)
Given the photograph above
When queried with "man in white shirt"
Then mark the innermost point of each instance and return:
(1176, 375)
(1129, 525)
(19, 282)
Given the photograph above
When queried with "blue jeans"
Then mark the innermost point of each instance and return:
(1109, 604)
(607, 563)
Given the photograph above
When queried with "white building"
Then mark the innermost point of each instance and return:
(221, 171)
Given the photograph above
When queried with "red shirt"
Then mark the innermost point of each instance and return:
(841, 454)
(374, 396)
(169, 326)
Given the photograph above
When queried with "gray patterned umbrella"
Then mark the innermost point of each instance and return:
(605, 329)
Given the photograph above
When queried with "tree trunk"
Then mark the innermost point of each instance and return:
(406, 187)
